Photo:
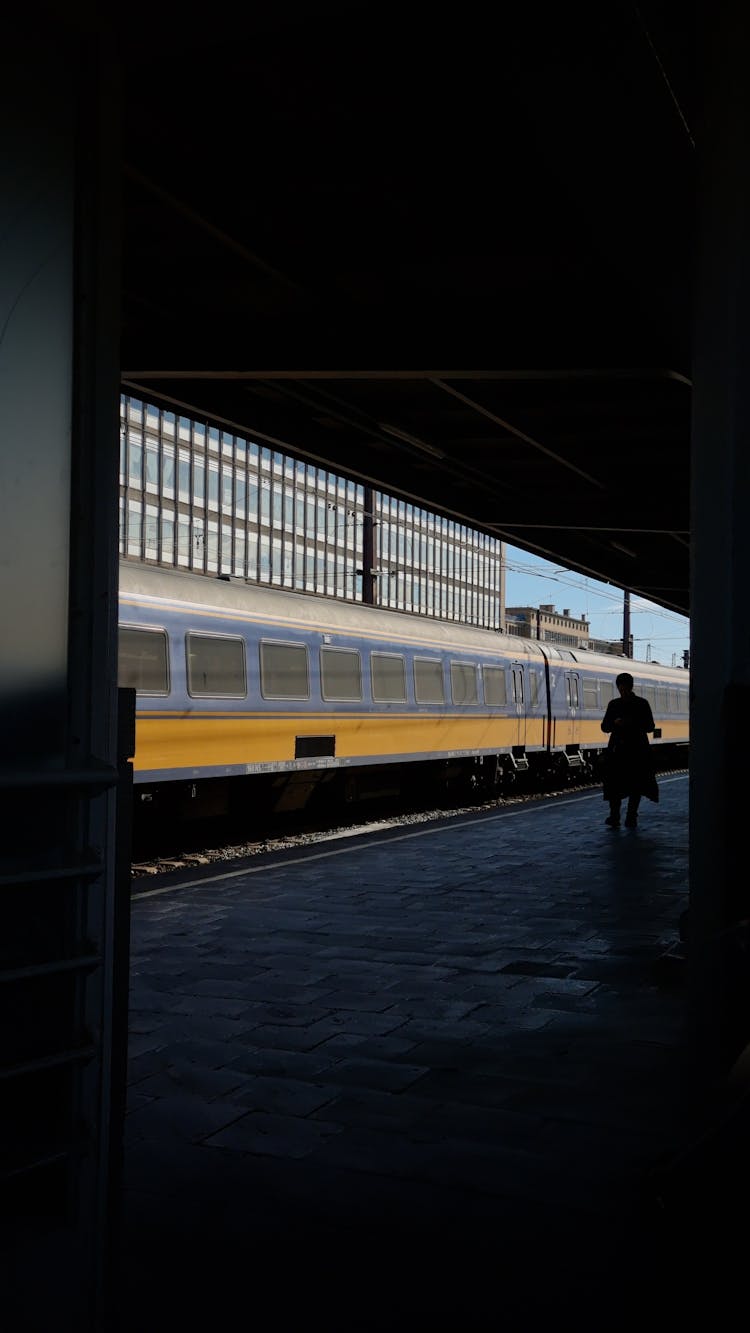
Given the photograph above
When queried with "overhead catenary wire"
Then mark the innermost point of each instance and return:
(567, 579)
(639, 607)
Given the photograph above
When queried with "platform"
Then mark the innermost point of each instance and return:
(385, 1080)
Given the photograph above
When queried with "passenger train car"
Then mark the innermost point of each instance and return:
(248, 695)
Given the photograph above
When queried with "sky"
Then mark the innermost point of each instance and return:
(657, 634)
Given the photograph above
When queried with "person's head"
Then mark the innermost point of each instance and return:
(624, 683)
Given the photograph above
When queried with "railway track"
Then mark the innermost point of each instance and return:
(239, 848)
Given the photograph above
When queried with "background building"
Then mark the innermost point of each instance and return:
(544, 622)
(198, 497)
(559, 627)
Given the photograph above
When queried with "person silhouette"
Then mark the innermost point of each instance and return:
(628, 765)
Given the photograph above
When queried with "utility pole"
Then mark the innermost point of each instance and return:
(538, 623)
(627, 646)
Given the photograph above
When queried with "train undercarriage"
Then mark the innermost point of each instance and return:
(252, 801)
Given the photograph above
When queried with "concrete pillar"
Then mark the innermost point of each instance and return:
(59, 775)
(720, 646)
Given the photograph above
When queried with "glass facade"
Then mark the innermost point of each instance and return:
(197, 497)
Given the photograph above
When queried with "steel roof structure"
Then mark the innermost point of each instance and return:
(450, 258)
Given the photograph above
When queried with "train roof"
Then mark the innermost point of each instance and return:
(336, 616)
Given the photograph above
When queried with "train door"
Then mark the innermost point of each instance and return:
(573, 700)
(519, 702)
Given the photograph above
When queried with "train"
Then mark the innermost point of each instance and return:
(254, 698)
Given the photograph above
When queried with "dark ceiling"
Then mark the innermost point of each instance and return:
(446, 251)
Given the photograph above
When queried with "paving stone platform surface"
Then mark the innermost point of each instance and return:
(416, 1078)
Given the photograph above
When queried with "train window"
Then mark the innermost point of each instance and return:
(661, 699)
(464, 689)
(590, 695)
(388, 675)
(428, 681)
(283, 671)
(142, 662)
(216, 666)
(607, 691)
(674, 703)
(340, 673)
(518, 685)
(534, 688)
(495, 686)
(571, 689)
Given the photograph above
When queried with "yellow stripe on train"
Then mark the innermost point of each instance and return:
(189, 742)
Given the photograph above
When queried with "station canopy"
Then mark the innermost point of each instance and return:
(446, 251)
